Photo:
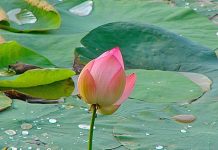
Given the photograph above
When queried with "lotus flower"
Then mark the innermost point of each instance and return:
(103, 82)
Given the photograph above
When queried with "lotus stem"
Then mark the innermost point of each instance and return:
(94, 109)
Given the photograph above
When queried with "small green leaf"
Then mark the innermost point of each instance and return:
(36, 77)
(51, 91)
(12, 52)
(31, 15)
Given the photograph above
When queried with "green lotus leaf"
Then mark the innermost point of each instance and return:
(30, 15)
(36, 77)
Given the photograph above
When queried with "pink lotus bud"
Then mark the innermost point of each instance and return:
(103, 82)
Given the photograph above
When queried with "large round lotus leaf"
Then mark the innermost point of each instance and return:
(5, 102)
(29, 15)
(146, 46)
(151, 127)
(164, 86)
(68, 132)
(36, 77)
(74, 27)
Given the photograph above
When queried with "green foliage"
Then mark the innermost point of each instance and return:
(12, 52)
(146, 46)
(150, 126)
(30, 15)
(50, 91)
(36, 77)
(157, 87)
(164, 39)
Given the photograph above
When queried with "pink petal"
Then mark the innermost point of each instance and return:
(115, 52)
(114, 89)
(87, 87)
(103, 71)
(130, 83)
(108, 110)
(88, 66)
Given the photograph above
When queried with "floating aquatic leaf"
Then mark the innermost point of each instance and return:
(28, 15)
(12, 52)
(50, 92)
(36, 77)
(46, 135)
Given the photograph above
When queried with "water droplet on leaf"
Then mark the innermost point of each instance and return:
(159, 147)
(25, 132)
(38, 128)
(84, 126)
(82, 9)
(10, 132)
(147, 134)
(21, 16)
(183, 131)
(52, 120)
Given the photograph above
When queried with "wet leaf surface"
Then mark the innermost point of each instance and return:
(36, 77)
(28, 15)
